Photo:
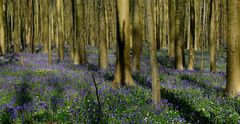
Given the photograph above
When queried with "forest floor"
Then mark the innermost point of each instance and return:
(31, 91)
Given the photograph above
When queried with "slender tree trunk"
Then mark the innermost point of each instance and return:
(73, 31)
(2, 30)
(233, 59)
(137, 35)
(198, 25)
(172, 26)
(32, 27)
(180, 26)
(192, 36)
(51, 34)
(60, 30)
(79, 51)
(122, 70)
(103, 50)
(45, 31)
(213, 36)
(16, 27)
(156, 97)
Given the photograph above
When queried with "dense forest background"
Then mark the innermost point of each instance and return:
(176, 60)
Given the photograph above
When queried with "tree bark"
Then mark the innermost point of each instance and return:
(50, 32)
(103, 50)
(79, 50)
(137, 35)
(45, 31)
(213, 36)
(179, 41)
(172, 26)
(192, 36)
(233, 59)
(2, 30)
(123, 74)
(60, 30)
(153, 56)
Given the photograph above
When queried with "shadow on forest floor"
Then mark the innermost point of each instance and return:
(208, 88)
(187, 111)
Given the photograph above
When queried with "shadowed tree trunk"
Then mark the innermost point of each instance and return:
(137, 35)
(179, 41)
(79, 43)
(233, 59)
(50, 32)
(123, 74)
(192, 36)
(153, 55)
(172, 26)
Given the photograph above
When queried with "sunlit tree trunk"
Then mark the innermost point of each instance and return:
(32, 27)
(122, 70)
(233, 59)
(137, 35)
(153, 56)
(213, 36)
(69, 27)
(103, 50)
(198, 25)
(16, 27)
(2, 30)
(45, 30)
(60, 29)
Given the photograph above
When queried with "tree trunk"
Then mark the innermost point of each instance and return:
(192, 36)
(137, 35)
(45, 31)
(16, 27)
(51, 34)
(213, 36)
(122, 70)
(153, 56)
(233, 61)
(172, 26)
(60, 30)
(2, 30)
(180, 25)
(79, 43)
(103, 50)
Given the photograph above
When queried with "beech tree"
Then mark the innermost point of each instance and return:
(60, 29)
(45, 25)
(213, 36)
(153, 55)
(233, 57)
(137, 34)
(50, 32)
(79, 43)
(192, 36)
(2, 30)
(179, 39)
(103, 49)
(172, 30)
(123, 74)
